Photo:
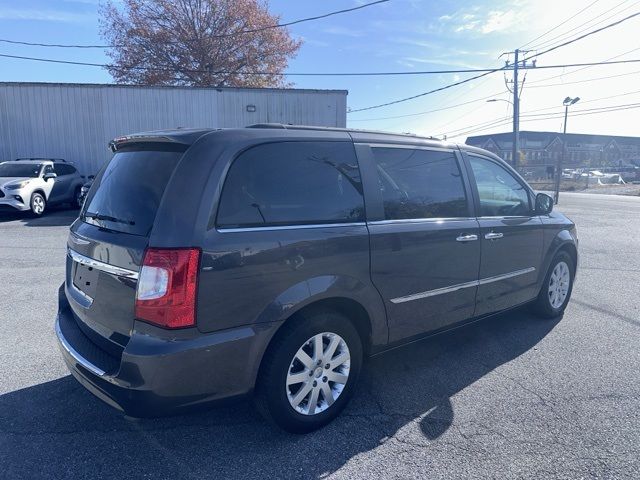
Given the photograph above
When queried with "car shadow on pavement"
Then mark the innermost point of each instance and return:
(58, 429)
(54, 217)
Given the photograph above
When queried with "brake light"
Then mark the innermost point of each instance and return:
(167, 287)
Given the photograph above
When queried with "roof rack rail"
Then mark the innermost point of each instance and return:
(290, 126)
(51, 159)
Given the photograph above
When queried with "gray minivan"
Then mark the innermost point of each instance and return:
(271, 260)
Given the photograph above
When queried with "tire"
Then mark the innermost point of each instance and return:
(38, 204)
(275, 395)
(547, 305)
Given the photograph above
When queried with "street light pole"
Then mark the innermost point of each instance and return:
(567, 103)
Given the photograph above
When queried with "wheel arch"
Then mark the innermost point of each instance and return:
(563, 241)
(40, 191)
(349, 307)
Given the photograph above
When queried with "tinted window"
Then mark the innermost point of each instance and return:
(292, 183)
(500, 193)
(129, 189)
(420, 184)
(62, 169)
(20, 170)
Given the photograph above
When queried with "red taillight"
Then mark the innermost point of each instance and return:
(167, 286)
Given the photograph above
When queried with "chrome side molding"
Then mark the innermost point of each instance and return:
(460, 286)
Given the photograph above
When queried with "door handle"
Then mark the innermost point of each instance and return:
(466, 238)
(493, 235)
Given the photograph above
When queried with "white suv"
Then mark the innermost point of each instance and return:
(32, 184)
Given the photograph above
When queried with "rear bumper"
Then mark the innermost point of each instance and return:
(156, 376)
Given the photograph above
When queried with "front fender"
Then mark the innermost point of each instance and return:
(326, 287)
(560, 240)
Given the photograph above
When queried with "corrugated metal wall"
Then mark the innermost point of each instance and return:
(76, 122)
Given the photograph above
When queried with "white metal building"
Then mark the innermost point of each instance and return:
(76, 121)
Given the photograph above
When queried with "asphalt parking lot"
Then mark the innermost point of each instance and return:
(510, 397)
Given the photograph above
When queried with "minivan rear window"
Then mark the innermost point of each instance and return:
(126, 193)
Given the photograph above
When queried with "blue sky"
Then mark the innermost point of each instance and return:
(401, 35)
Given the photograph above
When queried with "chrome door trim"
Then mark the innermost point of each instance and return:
(432, 293)
(105, 267)
(409, 221)
(505, 276)
(75, 355)
(289, 227)
(460, 286)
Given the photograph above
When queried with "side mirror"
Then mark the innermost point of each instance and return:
(544, 204)
(47, 176)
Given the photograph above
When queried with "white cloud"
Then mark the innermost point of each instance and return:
(509, 17)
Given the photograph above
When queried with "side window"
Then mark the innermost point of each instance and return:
(500, 193)
(420, 183)
(60, 169)
(48, 169)
(292, 183)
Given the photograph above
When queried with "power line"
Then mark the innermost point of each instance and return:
(528, 117)
(587, 25)
(482, 75)
(428, 111)
(606, 77)
(560, 24)
(406, 99)
(593, 32)
(584, 68)
(232, 34)
(314, 74)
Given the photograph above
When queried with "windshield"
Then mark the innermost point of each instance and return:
(126, 194)
(20, 169)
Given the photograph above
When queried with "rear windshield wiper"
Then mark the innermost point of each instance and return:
(108, 218)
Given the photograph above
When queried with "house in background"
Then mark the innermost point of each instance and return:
(540, 151)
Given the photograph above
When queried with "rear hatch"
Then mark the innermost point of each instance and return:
(106, 247)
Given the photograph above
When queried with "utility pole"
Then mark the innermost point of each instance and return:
(516, 113)
(516, 90)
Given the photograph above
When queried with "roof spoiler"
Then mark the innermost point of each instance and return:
(120, 142)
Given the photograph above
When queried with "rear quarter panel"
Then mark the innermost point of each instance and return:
(260, 276)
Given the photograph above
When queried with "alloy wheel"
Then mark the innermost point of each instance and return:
(37, 205)
(318, 373)
(559, 284)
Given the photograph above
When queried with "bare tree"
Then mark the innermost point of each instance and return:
(196, 42)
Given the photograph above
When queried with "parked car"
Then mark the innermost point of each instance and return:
(270, 260)
(32, 184)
